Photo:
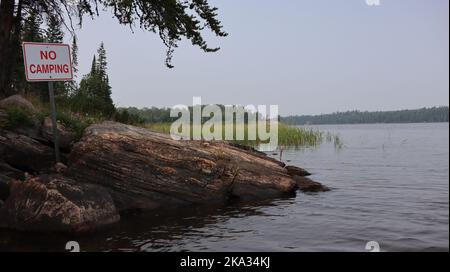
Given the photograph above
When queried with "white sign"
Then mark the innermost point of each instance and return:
(47, 61)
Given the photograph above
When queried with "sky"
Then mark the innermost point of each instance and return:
(307, 56)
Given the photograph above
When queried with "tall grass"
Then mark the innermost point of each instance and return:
(288, 136)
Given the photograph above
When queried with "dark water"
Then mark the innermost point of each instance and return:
(390, 184)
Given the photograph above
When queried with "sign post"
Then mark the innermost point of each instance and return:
(48, 62)
(51, 94)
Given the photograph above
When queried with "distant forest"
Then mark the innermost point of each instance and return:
(424, 115)
(160, 115)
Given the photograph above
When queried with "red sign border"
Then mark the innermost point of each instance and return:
(46, 44)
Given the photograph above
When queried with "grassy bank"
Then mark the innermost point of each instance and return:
(288, 136)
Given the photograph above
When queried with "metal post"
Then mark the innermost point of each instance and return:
(54, 124)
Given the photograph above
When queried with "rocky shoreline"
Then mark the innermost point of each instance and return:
(116, 168)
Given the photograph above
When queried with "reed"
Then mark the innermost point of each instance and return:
(288, 136)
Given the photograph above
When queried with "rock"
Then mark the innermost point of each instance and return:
(66, 136)
(3, 119)
(307, 185)
(57, 204)
(246, 147)
(60, 168)
(145, 170)
(30, 128)
(17, 101)
(4, 187)
(35, 129)
(297, 171)
(41, 131)
(24, 153)
(10, 172)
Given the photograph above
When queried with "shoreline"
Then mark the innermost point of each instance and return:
(116, 168)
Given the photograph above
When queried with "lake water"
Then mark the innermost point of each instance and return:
(390, 184)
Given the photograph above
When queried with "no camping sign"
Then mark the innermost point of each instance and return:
(48, 62)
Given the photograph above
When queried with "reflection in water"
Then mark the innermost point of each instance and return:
(147, 231)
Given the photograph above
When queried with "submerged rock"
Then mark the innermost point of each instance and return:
(56, 203)
(297, 171)
(146, 170)
(307, 185)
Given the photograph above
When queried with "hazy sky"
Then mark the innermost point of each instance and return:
(307, 56)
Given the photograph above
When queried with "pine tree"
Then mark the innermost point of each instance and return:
(94, 94)
(94, 66)
(75, 56)
(101, 62)
(104, 92)
(72, 85)
(32, 31)
(54, 33)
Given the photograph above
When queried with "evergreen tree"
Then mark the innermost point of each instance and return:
(54, 33)
(101, 62)
(94, 94)
(72, 85)
(94, 66)
(75, 56)
(31, 32)
(104, 90)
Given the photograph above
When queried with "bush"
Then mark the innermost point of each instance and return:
(76, 123)
(18, 117)
(125, 117)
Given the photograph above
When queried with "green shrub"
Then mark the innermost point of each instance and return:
(125, 117)
(18, 117)
(76, 123)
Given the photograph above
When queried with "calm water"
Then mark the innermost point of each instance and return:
(390, 184)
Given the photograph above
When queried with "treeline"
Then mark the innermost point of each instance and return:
(155, 115)
(424, 115)
(147, 115)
